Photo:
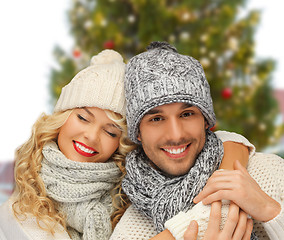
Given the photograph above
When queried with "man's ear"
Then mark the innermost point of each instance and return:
(206, 124)
(139, 137)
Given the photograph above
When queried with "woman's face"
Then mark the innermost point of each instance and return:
(88, 135)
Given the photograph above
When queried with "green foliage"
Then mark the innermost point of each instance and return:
(60, 77)
(210, 31)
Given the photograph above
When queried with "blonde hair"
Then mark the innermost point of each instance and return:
(31, 193)
(120, 200)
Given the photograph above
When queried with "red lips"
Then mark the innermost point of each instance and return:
(84, 150)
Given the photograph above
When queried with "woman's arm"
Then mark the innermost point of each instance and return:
(234, 151)
(164, 235)
(236, 147)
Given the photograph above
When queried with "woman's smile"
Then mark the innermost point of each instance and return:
(84, 150)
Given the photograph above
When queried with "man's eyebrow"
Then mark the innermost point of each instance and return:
(186, 105)
(153, 111)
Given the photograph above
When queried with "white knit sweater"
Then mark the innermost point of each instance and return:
(266, 169)
(12, 228)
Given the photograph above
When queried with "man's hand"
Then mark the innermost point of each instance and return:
(237, 226)
(239, 187)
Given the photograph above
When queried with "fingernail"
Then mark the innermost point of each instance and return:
(193, 224)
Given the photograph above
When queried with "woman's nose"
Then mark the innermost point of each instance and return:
(93, 134)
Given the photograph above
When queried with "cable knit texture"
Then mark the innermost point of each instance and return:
(161, 197)
(161, 76)
(99, 85)
(178, 224)
(82, 191)
(266, 169)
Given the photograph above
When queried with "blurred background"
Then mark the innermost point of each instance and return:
(239, 43)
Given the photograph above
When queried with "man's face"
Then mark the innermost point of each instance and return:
(172, 135)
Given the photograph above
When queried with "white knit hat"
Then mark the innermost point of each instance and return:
(99, 85)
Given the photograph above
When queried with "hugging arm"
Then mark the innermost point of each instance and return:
(263, 189)
(134, 224)
(236, 147)
(237, 226)
(239, 187)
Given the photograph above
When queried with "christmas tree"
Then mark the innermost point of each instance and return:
(211, 31)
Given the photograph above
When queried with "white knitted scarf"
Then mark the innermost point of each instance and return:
(82, 191)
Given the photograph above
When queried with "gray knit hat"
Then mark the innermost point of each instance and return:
(161, 76)
(99, 85)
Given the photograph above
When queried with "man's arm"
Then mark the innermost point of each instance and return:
(237, 226)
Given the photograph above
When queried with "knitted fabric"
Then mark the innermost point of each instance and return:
(179, 223)
(99, 85)
(82, 191)
(266, 169)
(160, 197)
(161, 76)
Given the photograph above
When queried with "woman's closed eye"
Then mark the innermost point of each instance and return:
(112, 134)
(82, 118)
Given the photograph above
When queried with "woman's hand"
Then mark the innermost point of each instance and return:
(237, 226)
(239, 187)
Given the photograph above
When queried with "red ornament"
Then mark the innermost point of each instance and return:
(227, 93)
(109, 44)
(76, 53)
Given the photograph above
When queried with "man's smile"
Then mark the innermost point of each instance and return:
(176, 151)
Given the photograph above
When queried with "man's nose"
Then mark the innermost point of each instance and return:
(174, 129)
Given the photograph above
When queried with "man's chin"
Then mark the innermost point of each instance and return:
(174, 172)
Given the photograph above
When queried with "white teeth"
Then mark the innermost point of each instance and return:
(175, 151)
(84, 149)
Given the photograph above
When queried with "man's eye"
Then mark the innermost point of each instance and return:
(156, 119)
(82, 118)
(186, 114)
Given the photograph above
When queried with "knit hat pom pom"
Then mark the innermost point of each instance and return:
(106, 57)
(161, 45)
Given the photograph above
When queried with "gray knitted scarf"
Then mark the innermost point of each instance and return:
(82, 191)
(161, 197)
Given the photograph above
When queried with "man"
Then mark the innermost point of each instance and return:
(169, 114)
